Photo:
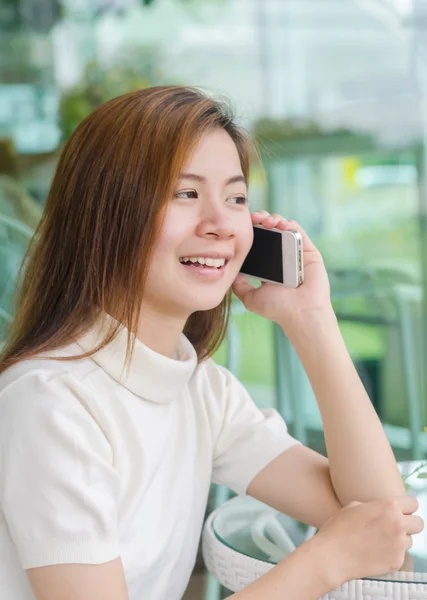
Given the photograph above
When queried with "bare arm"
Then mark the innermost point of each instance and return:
(79, 582)
(303, 575)
(298, 483)
(361, 461)
(106, 581)
(360, 464)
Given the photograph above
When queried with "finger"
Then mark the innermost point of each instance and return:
(241, 287)
(259, 216)
(408, 563)
(261, 213)
(351, 504)
(271, 222)
(413, 524)
(280, 222)
(408, 504)
(409, 542)
(266, 220)
(306, 241)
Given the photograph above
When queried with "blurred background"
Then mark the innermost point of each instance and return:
(334, 93)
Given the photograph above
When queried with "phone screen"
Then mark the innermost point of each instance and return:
(265, 258)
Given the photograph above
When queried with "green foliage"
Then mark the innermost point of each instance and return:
(419, 471)
(138, 68)
(291, 128)
(16, 62)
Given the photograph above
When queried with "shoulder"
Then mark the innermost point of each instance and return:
(45, 387)
(49, 371)
(48, 405)
(218, 386)
(214, 377)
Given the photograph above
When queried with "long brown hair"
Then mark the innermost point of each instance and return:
(92, 247)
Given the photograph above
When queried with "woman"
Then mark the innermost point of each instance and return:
(113, 418)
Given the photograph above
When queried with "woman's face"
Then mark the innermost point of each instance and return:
(206, 234)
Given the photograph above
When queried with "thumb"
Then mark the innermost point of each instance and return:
(351, 504)
(242, 288)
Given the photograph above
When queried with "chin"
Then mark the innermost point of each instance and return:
(206, 303)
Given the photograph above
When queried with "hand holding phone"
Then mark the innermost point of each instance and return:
(276, 256)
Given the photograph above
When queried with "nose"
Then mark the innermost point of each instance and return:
(216, 222)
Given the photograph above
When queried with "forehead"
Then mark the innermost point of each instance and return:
(215, 151)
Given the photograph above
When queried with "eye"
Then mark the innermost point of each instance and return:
(186, 194)
(238, 200)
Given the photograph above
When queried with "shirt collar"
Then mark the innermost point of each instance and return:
(150, 375)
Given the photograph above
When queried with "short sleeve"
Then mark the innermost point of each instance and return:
(58, 487)
(249, 439)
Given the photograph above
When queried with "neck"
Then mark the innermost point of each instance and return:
(159, 332)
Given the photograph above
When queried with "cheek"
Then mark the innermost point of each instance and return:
(246, 236)
(174, 231)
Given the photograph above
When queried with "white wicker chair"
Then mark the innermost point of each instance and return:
(234, 571)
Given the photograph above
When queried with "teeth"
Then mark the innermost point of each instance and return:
(214, 262)
(210, 262)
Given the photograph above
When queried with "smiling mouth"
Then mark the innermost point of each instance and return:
(207, 262)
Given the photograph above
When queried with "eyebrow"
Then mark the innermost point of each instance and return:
(194, 177)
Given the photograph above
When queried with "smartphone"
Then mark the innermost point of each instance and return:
(275, 257)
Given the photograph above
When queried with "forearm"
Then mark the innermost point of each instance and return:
(362, 464)
(306, 574)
